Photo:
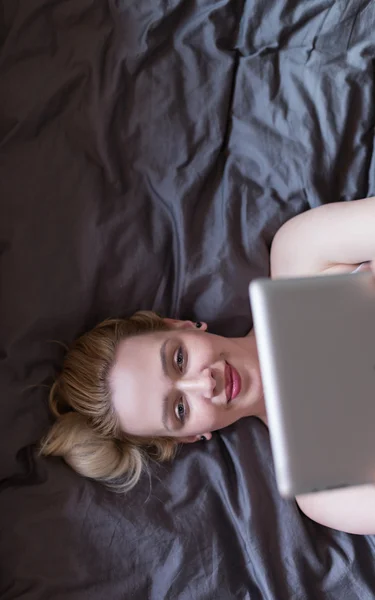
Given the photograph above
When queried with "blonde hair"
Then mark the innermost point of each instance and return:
(86, 433)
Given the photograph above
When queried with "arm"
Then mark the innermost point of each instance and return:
(351, 509)
(341, 233)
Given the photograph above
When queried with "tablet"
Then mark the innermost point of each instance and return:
(316, 344)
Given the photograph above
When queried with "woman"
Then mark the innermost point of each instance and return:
(138, 387)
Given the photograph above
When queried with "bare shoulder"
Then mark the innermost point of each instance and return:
(334, 236)
(351, 509)
(293, 250)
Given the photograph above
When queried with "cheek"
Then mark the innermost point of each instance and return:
(211, 418)
(203, 417)
(204, 348)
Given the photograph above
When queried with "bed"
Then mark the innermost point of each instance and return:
(149, 151)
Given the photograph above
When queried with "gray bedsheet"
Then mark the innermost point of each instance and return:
(149, 150)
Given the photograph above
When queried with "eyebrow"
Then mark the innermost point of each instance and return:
(163, 359)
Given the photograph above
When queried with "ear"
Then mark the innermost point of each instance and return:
(195, 438)
(177, 324)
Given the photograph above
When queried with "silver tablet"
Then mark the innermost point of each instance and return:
(316, 342)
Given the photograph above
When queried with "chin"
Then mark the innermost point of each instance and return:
(238, 409)
(248, 405)
(256, 386)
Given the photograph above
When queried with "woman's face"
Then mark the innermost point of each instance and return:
(185, 382)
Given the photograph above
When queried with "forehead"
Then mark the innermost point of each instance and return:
(137, 356)
(137, 382)
(144, 343)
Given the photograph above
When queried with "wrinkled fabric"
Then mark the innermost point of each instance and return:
(148, 153)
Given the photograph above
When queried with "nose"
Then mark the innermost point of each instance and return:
(200, 383)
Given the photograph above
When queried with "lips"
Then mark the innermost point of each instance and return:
(232, 382)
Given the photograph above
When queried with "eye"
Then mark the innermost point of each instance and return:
(180, 411)
(180, 361)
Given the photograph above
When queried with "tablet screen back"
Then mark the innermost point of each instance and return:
(316, 342)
